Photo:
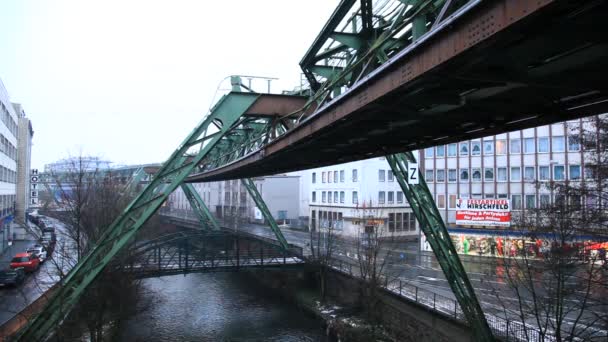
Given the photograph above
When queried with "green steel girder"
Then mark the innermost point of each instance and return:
(259, 202)
(224, 116)
(421, 200)
(344, 51)
(205, 217)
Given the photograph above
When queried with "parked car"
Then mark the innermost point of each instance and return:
(39, 251)
(28, 261)
(48, 229)
(10, 277)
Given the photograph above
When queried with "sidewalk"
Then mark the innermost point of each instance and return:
(17, 246)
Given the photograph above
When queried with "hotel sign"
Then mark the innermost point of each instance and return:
(483, 212)
(34, 179)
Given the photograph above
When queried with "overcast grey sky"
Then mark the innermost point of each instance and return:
(127, 80)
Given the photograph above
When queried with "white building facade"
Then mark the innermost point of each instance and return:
(347, 196)
(8, 165)
(24, 157)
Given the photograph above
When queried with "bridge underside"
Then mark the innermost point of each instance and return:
(460, 83)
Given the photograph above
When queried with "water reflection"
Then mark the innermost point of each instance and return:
(218, 307)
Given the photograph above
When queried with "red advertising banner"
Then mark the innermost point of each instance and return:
(483, 212)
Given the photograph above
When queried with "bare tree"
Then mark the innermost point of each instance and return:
(322, 246)
(557, 270)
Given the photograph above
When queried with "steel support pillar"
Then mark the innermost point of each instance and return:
(259, 202)
(198, 205)
(433, 227)
(224, 117)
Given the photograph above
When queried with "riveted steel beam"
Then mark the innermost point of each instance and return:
(421, 200)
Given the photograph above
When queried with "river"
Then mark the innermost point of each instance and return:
(218, 307)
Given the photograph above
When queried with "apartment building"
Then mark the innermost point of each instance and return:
(24, 156)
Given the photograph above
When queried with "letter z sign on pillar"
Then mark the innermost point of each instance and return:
(34, 187)
(412, 173)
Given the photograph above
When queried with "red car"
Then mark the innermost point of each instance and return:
(28, 261)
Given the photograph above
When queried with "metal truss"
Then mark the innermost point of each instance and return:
(224, 117)
(206, 219)
(259, 202)
(421, 200)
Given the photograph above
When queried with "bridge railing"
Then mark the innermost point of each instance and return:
(505, 329)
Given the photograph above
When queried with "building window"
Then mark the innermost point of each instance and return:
(475, 148)
(440, 151)
(381, 197)
(329, 176)
(391, 222)
(399, 196)
(589, 142)
(529, 145)
(543, 145)
(488, 174)
(390, 175)
(440, 176)
(428, 152)
(314, 177)
(323, 178)
(476, 174)
(515, 146)
(559, 172)
(516, 202)
(452, 201)
(488, 196)
(323, 197)
(530, 201)
(313, 220)
(452, 150)
(464, 148)
(381, 175)
(452, 175)
(341, 176)
(545, 201)
(558, 143)
(574, 143)
(335, 176)
(588, 170)
(543, 173)
(501, 146)
(529, 173)
(501, 174)
(335, 197)
(342, 195)
(502, 196)
(355, 198)
(464, 175)
(314, 196)
(429, 175)
(488, 147)
(441, 201)
(391, 197)
(329, 197)
(574, 172)
(354, 175)
(515, 173)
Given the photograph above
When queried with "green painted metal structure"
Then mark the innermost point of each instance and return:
(259, 202)
(353, 43)
(424, 207)
(206, 219)
(225, 116)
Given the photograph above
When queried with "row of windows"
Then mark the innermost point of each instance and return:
(8, 175)
(503, 174)
(8, 120)
(515, 146)
(326, 219)
(8, 148)
(334, 176)
(401, 222)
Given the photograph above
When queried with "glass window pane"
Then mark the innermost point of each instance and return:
(464, 175)
(516, 202)
(488, 174)
(440, 151)
(475, 148)
(381, 195)
(529, 145)
(488, 147)
(529, 173)
(391, 197)
(515, 173)
(354, 175)
(574, 142)
(399, 196)
(543, 145)
(476, 174)
(501, 174)
(558, 144)
(558, 172)
(515, 146)
(452, 175)
(428, 152)
(501, 146)
(451, 150)
(429, 175)
(440, 175)
(381, 174)
(464, 148)
(355, 198)
(575, 172)
(530, 201)
(543, 173)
